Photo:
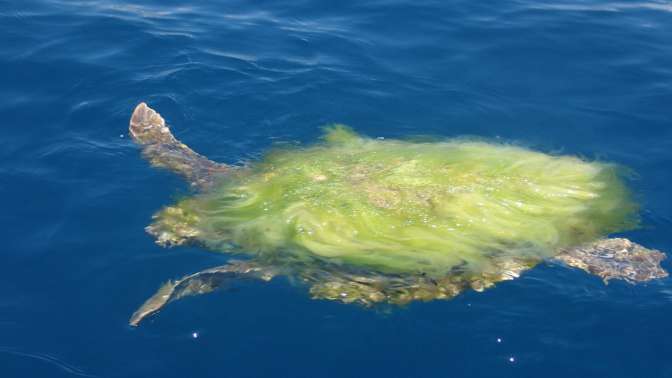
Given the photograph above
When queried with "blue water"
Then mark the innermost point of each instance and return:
(590, 78)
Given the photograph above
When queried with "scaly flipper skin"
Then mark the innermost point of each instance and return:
(202, 282)
(159, 146)
(616, 258)
(330, 282)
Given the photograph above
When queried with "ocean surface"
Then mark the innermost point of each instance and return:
(588, 78)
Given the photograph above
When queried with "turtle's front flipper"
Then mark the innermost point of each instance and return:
(159, 146)
(616, 258)
(202, 282)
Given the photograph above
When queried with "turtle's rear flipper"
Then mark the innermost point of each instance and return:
(616, 258)
(202, 282)
(159, 146)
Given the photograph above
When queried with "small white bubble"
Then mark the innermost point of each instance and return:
(499, 340)
(512, 359)
(121, 135)
(194, 335)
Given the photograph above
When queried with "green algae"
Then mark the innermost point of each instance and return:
(406, 206)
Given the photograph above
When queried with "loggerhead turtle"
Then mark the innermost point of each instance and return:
(369, 221)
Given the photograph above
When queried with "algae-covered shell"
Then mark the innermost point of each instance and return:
(367, 220)
(404, 207)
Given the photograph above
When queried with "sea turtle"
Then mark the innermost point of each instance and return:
(374, 221)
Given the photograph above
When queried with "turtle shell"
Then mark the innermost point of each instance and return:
(404, 207)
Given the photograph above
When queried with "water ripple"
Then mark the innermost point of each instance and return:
(49, 359)
(664, 6)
